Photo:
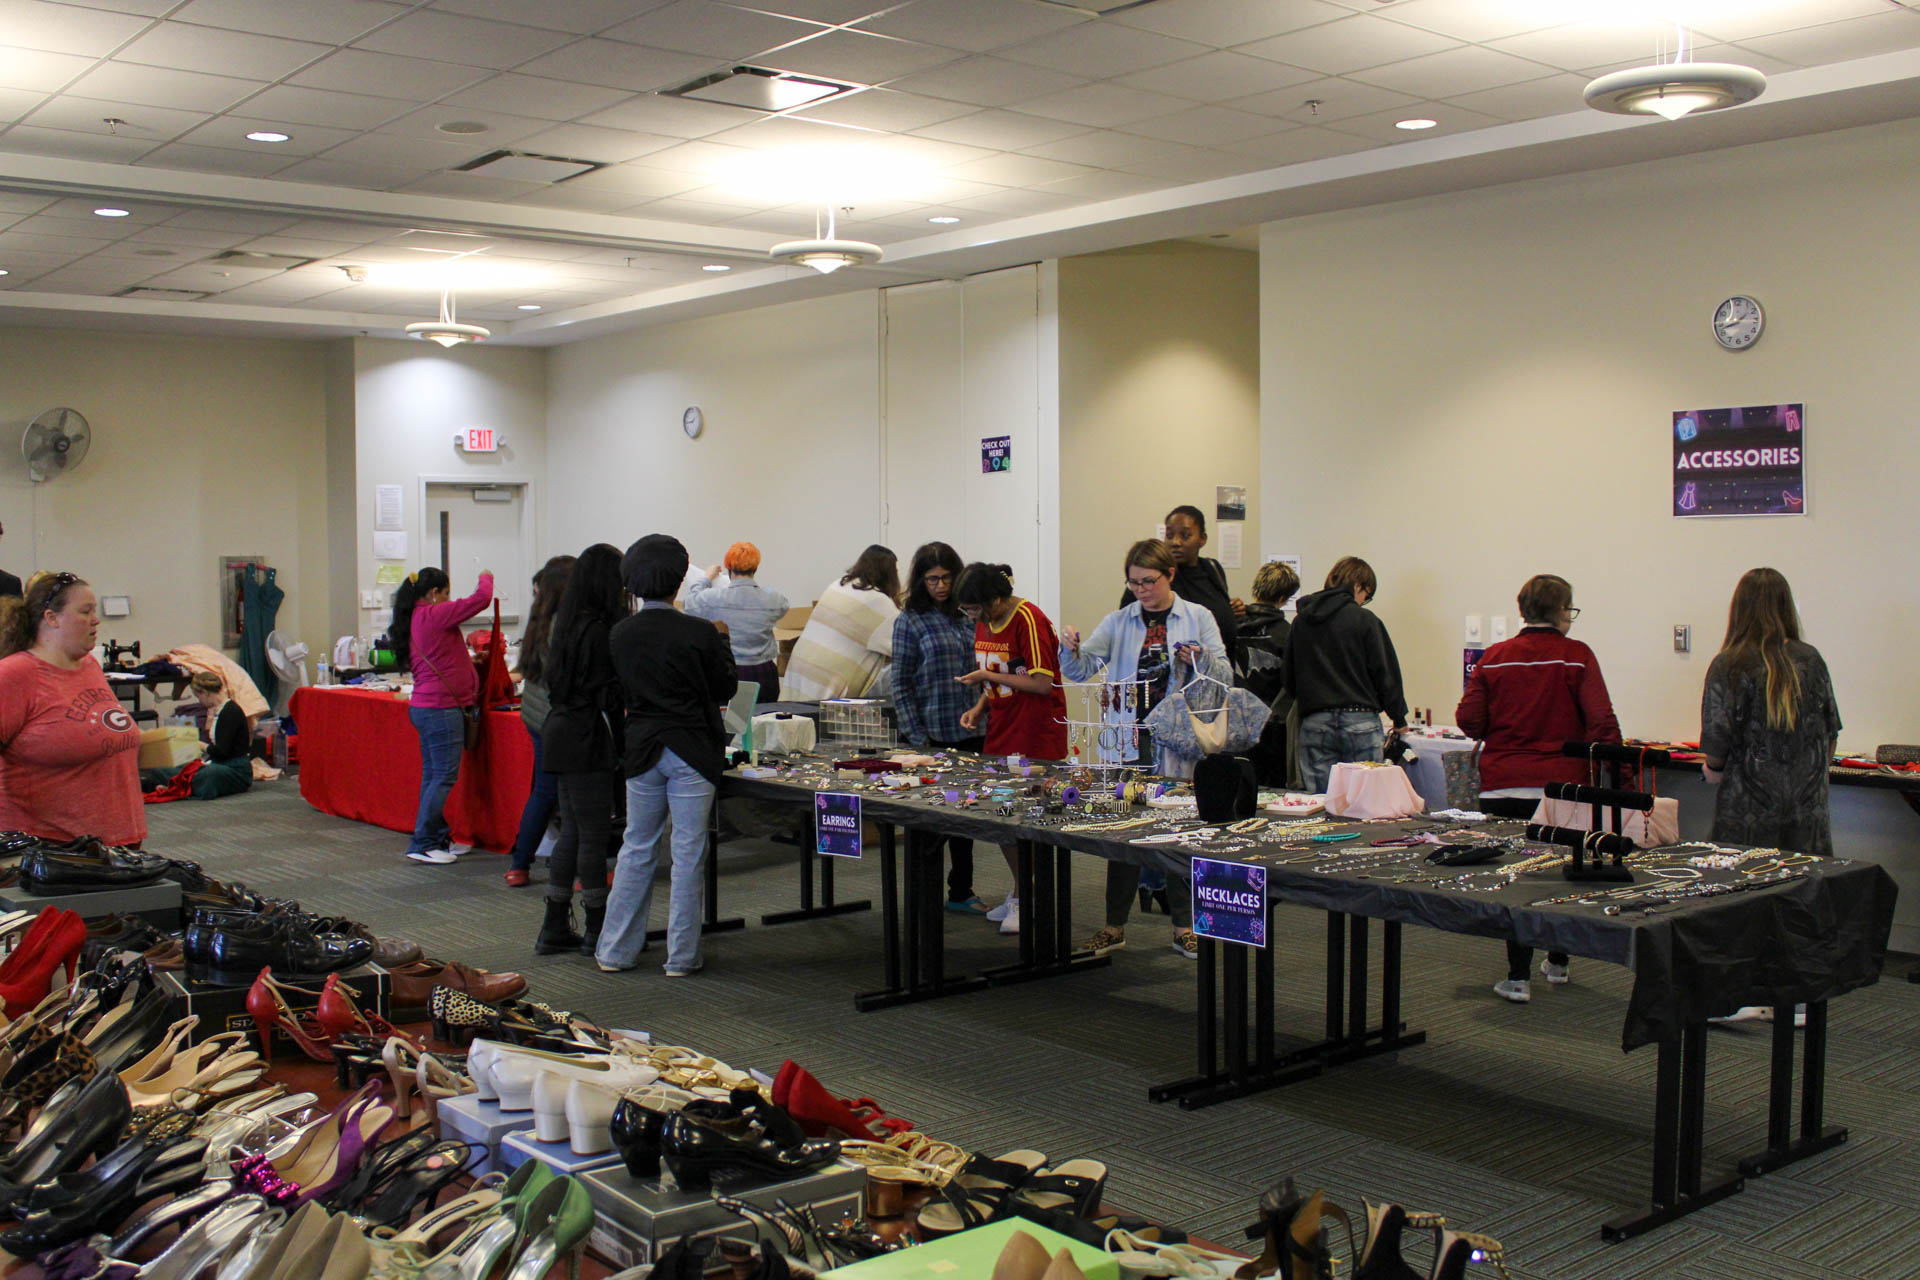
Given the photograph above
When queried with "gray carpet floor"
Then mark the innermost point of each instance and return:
(1523, 1122)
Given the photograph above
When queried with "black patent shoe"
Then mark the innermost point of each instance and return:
(88, 865)
(66, 1188)
(101, 1208)
(231, 953)
(636, 1130)
(71, 1127)
(697, 1148)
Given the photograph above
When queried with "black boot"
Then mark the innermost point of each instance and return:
(596, 916)
(556, 931)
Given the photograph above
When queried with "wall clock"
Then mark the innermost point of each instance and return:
(1737, 322)
(692, 421)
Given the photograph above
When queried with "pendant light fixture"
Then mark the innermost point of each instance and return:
(445, 330)
(825, 253)
(1675, 89)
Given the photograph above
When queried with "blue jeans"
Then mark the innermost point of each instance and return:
(541, 803)
(1328, 738)
(443, 737)
(673, 787)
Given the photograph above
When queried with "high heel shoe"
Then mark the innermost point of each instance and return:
(401, 1057)
(1380, 1258)
(457, 1017)
(978, 1192)
(324, 1158)
(210, 1239)
(340, 1013)
(513, 1071)
(72, 1126)
(160, 1057)
(100, 1208)
(124, 1033)
(438, 1081)
(65, 1188)
(290, 1239)
(56, 947)
(555, 1226)
(271, 1013)
(182, 1209)
(398, 1193)
(695, 1148)
(230, 1074)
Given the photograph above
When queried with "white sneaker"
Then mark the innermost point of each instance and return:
(439, 856)
(1747, 1013)
(1514, 989)
(456, 848)
(999, 913)
(1557, 974)
(1010, 922)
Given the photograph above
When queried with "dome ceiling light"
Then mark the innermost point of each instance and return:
(1674, 89)
(446, 331)
(826, 253)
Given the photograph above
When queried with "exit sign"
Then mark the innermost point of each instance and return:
(481, 440)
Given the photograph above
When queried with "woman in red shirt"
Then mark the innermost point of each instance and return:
(69, 752)
(1021, 701)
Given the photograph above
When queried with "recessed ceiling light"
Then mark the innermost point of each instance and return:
(529, 306)
(944, 219)
(110, 213)
(1415, 124)
(2, 273)
(716, 266)
(268, 135)
(463, 127)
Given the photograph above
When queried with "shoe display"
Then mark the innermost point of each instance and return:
(232, 947)
(88, 865)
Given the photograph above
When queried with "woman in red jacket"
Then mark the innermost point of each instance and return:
(1527, 697)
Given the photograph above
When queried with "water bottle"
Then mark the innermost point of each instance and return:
(326, 674)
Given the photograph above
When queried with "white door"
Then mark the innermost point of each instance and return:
(473, 527)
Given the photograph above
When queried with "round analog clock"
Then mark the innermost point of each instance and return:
(1737, 322)
(692, 421)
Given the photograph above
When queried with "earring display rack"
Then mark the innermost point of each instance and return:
(1109, 744)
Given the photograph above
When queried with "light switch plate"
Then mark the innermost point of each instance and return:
(1499, 627)
(1473, 628)
(1682, 638)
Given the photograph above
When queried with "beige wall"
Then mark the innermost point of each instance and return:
(1473, 388)
(1159, 403)
(202, 448)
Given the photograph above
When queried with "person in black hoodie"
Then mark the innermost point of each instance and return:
(1195, 578)
(581, 743)
(1263, 635)
(1342, 672)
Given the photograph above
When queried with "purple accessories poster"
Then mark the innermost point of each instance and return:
(1749, 460)
(836, 824)
(1230, 902)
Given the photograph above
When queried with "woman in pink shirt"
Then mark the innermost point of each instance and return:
(69, 752)
(427, 638)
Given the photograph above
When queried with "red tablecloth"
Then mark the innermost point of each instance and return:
(360, 759)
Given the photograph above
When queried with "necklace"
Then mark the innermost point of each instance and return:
(1124, 825)
(1249, 824)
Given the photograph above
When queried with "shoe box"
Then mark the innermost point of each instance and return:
(484, 1124)
(157, 904)
(521, 1145)
(636, 1219)
(973, 1253)
(224, 1008)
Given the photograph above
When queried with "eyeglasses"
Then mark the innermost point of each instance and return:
(937, 579)
(1145, 584)
(1572, 613)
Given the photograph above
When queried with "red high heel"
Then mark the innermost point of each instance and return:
(821, 1115)
(59, 946)
(31, 943)
(341, 1016)
(270, 1011)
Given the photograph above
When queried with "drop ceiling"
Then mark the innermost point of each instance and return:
(1043, 128)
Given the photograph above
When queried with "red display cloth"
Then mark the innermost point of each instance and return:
(360, 759)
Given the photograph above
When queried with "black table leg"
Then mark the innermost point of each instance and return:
(809, 861)
(1815, 1134)
(710, 914)
(1679, 1123)
(911, 904)
(1046, 920)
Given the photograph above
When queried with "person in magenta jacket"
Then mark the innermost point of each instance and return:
(1527, 698)
(427, 639)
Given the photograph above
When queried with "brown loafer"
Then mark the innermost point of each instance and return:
(391, 953)
(413, 984)
(166, 955)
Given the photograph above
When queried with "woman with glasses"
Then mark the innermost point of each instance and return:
(1527, 698)
(69, 752)
(1149, 649)
(932, 649)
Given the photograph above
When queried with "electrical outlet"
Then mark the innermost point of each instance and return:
(1499, 627)
(1682, 638)
(1473, 628)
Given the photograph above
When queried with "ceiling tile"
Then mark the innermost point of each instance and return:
(31, 69)
(406, 153)
(537, 96)
(1737, 20)
(1106, 185)
(1217, 76)
(988, 82)
(228, 221)
(677, 117)
(886, 109)
(290, 104)
(834, 11)
(1018, 171)
(19, 204)
(977, 26)
(1462, 70)
(1334, 48)
(580, 16)
(15, 103)
(143, 8)
(68, 145)
(20, 242)
(59, 28)
(471, 186)
(1552, 96)
(588, 142)
(861, 58)
(335, 22)
(231, 132)
(1382, 126)
(1588, 44)
(502, 130)
(927, 152)
(1840, 41)
(450, 37)
(362, 71)
(88, 115)
(571, 195)
(1746, 55)
(1196, 164)
(1001, 130)
(702, 158)
(1223, 23)
(252, 164)
(1105, 148)
(1104, 105)
(622, 66)
(297, 246)
(220, 52)
(637, 182)
(1297, 146)
(715, 30)
(1019, 204)
(1337, 100)
(345, 173)
(1480, 19)
(1098, 49)
(1205, 126)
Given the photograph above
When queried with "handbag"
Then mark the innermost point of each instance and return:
(1236, 725)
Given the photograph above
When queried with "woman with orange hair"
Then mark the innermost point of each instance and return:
(748, 609)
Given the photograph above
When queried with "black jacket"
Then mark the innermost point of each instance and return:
(1264, 632)
(1204, 584)
(9, 585)
(1339, 655)
(676, 672)
(583, 726)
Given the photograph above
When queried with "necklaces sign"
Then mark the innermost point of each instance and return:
(836, 824)
(1230, 902)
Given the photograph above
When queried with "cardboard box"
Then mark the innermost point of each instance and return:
(520, 1146)
(223, 1007)
(636, 1220)
(157, 904)
(786, 629)
(168, 748)
(484, 1124)
(973, 1253)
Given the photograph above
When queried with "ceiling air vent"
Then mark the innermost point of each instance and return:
(759, 89)
(243, 260)
(525, 166)
(163, 295)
